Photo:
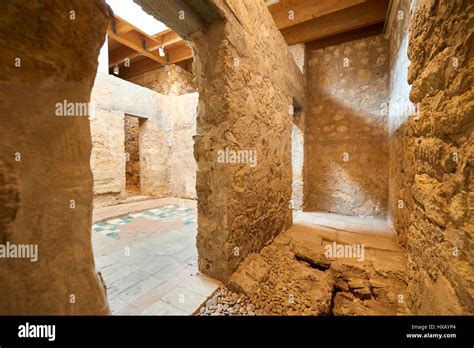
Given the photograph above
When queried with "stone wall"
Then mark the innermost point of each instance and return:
(107, 161)
(182, 165)
(247, 87)
(346, 128)
(432, 157)
(247, 81)
(169, 80)
(297, 138)
(400, 109)
(297, 160)
(167, 166)
(298, 53)
(45, 180)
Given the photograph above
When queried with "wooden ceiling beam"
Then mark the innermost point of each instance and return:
(119, 55)
(142, 65)
(305, 10)
(137, 46)
(186, 65)
(162, 33)
(122, 26)
(138, 67)
(179, 52)
(171, 39)
(355, 17)
(135, 43)
(167, 39)
(135, 39)
(357, 34)
(175, 53)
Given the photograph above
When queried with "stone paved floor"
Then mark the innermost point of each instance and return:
(148, 259)
(354, 224)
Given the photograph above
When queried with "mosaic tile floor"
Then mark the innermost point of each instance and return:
(111, 228)
(148, 260)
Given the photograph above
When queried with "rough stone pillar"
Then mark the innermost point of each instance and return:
(247, 81)
(438, 149)
(49, 56)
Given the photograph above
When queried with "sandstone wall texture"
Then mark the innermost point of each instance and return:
(432, 155)
(45, 180)
(247, 82)
(298, 53)
(107, 156)
(165, 138)
(167, 80)
(132, 154)
(346, 146)
(181, 163)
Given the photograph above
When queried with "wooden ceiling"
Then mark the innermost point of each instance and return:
(143, 50)
(302, 21)
(316, 22)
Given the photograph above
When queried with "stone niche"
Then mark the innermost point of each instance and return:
(46, 181)
(346, 145)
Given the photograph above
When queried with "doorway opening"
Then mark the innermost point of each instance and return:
(132, 126)
(145, 217)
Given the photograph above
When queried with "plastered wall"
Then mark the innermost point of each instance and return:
(165, 137)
